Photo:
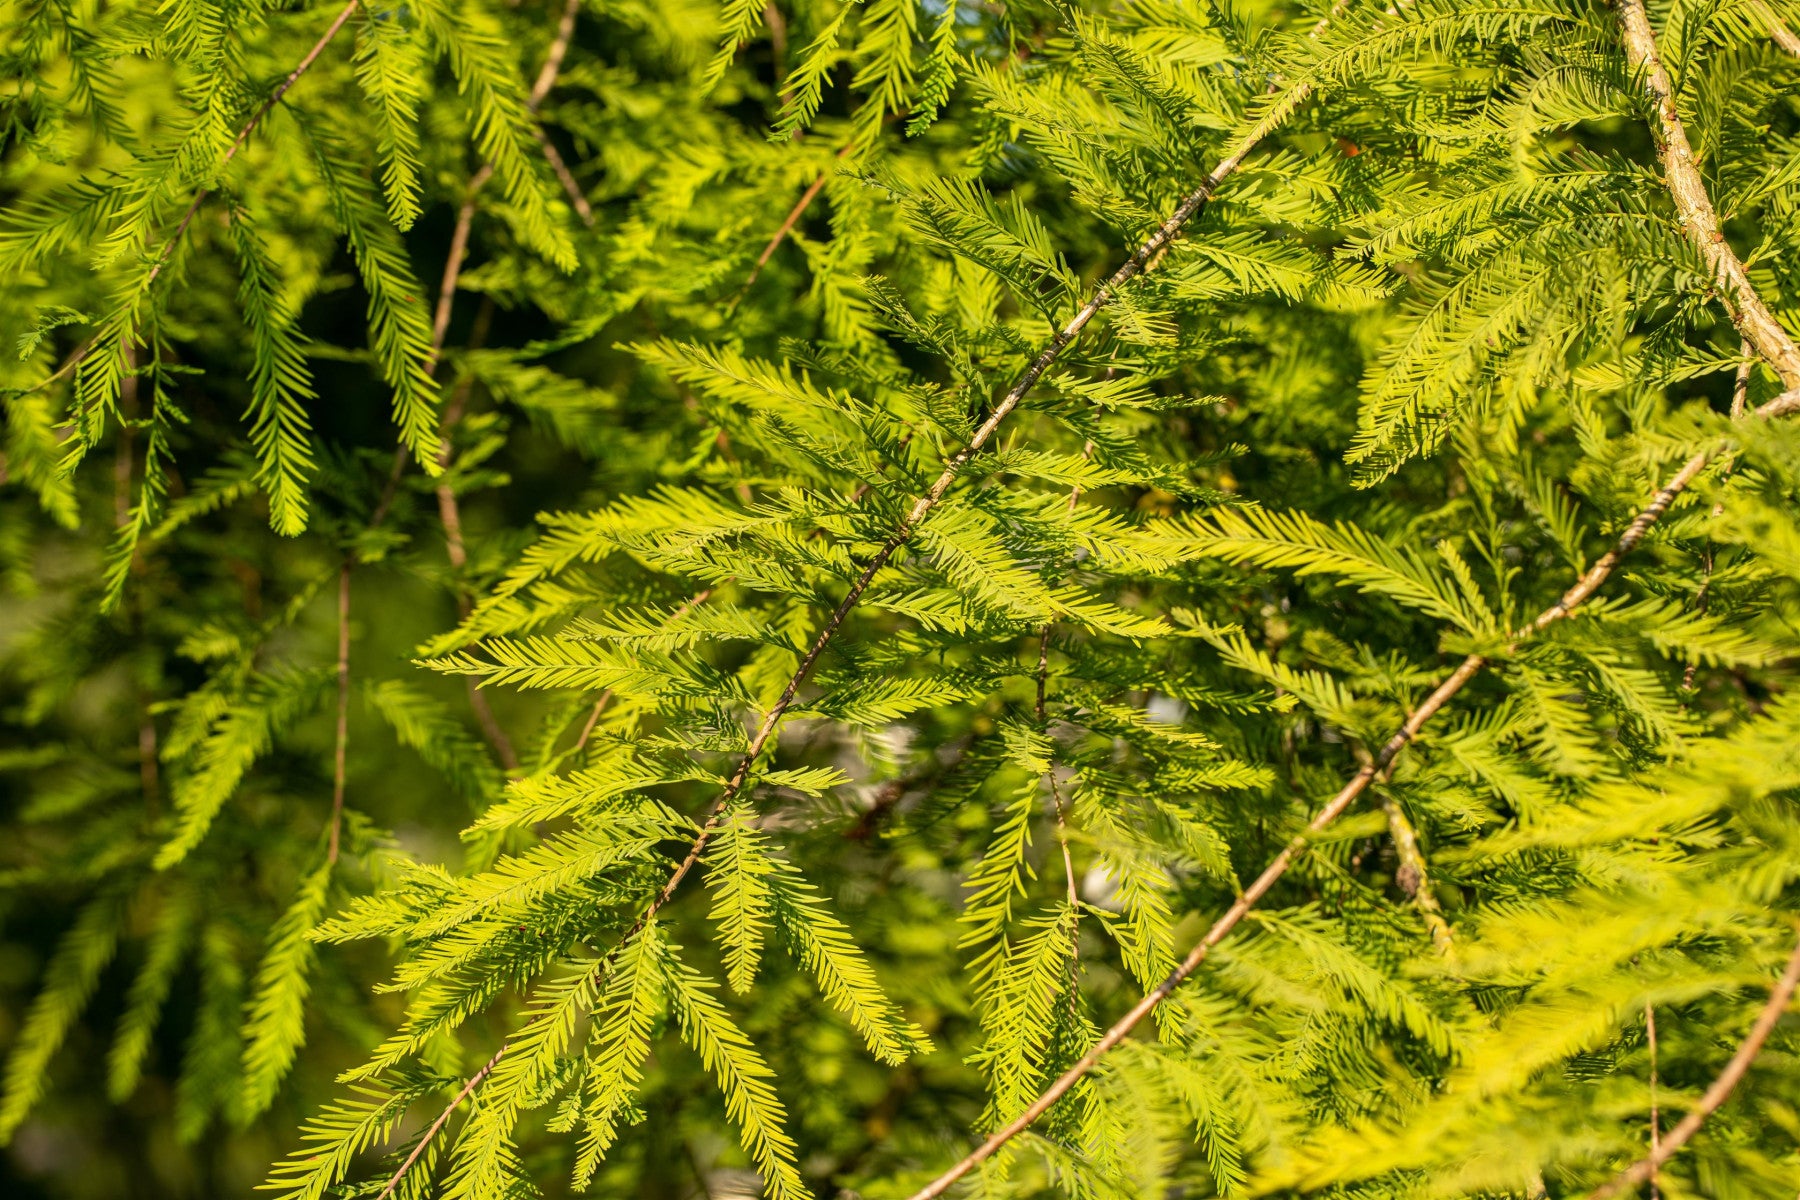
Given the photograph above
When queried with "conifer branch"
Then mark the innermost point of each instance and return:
(1377, 767)
(1694, 207)
(902, 534)
(1721, 1089)
(1484, 234)
(167, 249)
(243, 135)
(1259, 887)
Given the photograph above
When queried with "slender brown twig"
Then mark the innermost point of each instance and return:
(341, 748)
(793, 218)
(431, 1131)
(564, 176)
(1062, 827)
(449, 508)
(1722, 1087)
(243, 136)
(1655, 1116)
(1414, 877)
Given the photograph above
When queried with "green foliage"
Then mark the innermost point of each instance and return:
(517, 679)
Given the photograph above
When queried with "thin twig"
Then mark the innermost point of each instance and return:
(1740, 385)
(553, 58)
(342, 745)
(1414, 878)
(431, 1131)
(243, 135)
(1722, 1087)
(449, 508)
(777, 26)
(1062, 825)
(793, 218)
(564, 176)
(1655, 1116)
(465, 216)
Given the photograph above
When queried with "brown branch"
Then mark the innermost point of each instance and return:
(1721, 1088)
(1694, 208)
(553, 58)
(449, 509)
(465, 216)
(777, 27)
(1740, 384)
(540, 89)
(243, 135)
(564, 176)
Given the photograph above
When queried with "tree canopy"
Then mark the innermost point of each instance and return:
(897, 598)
